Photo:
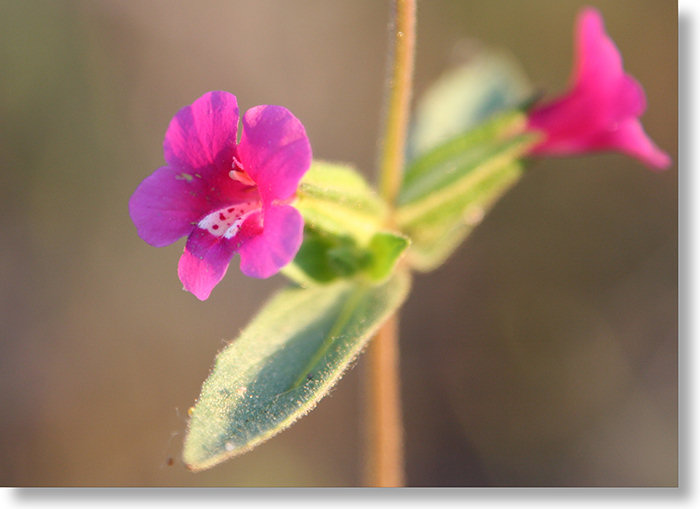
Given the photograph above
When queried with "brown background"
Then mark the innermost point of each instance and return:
(544, 353)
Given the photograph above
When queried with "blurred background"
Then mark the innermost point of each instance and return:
(544, 353)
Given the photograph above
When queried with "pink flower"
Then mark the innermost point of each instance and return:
(602, 109)
(226, 196)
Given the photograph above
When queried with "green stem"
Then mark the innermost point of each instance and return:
(384, 433)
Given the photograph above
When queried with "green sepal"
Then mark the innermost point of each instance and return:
(343, 230)
(438, 235)
(289, 357)
(447, 191)
(325, 257)
(385, 250)
(335, 199)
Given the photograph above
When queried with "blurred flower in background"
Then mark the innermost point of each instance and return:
(602, 109)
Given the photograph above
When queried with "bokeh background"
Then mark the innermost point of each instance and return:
(543, 354)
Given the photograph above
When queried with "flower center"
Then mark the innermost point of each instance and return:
(227, 222)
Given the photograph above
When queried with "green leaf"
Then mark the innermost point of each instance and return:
(465, 96)
(447, 191)
(334, 198)
(283, 363)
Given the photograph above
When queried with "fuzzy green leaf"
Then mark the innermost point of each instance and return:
(465, 96)
(283, 363)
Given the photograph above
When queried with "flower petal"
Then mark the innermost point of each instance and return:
(631, 100)
(568, 123)
(204, 262)
(631, 139)
(274, 151)
(265, 254)
(166, 205)
(202, 136)
(598, 97)
(601, 110)
(598, 61)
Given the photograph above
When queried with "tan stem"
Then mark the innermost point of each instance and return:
(385, 466)
(398, 101)
(385, 457)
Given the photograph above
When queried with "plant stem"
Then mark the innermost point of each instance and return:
(385, 463)
(385, 430)
(398, 98)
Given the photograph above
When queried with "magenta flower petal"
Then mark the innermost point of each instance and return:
(598, 60)
(166, 205)
(274, 151)
(204, 262)
(265, 254)
(224, 196)
(601, 110)
(202, 136)
(631, 139)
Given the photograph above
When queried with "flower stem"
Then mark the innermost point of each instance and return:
(384, 467)
(385, 463)
(398, 98)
